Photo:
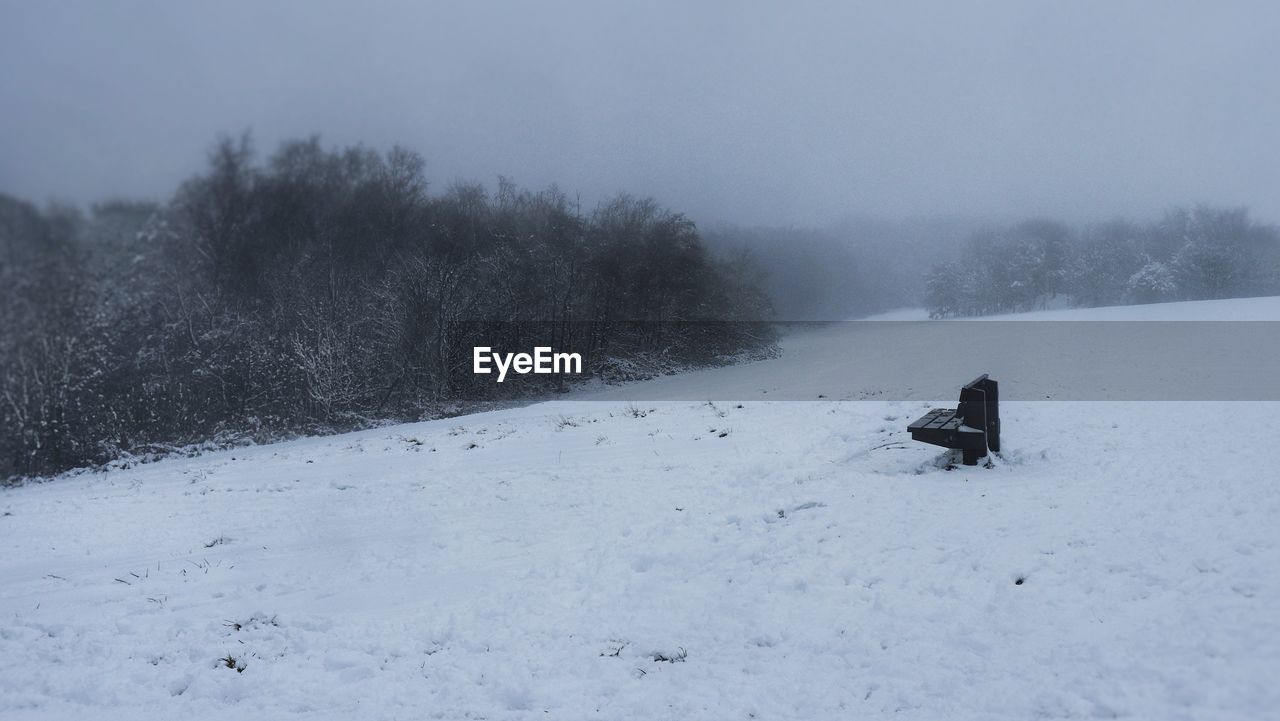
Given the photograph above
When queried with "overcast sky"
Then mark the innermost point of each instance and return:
(777, 113)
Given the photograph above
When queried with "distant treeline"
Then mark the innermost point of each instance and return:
(1198, 254)
(325, 290)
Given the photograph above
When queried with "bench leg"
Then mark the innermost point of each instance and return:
(971, 456)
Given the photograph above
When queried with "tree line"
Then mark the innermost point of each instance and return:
(1202, 253)
(321, 290)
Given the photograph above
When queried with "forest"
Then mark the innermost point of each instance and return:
(321, 290)
(1201, 253)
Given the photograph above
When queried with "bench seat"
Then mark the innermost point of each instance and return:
(942, 427)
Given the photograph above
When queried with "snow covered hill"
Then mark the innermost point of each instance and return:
(619, 559)
(1234, 309)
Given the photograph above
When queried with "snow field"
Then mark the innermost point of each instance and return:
(606, 560)
(616, 559)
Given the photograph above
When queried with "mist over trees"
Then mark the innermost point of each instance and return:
(961, 267)
(1203, 253)
(329, 289)
(847, 270)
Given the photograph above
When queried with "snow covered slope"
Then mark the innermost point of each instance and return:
(681, 559)
(1236, 309)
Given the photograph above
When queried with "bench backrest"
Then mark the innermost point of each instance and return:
(980, 408)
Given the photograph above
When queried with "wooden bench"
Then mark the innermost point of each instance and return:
(973, 427)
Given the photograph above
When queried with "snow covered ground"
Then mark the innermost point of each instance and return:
(1235, 309)
(651, 560)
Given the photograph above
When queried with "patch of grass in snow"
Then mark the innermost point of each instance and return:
(615, 649)
(633, 411)
(677, 656)
(252, 622)
(232, 662)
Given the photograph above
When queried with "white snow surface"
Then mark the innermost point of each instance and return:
(664, 560)
(1233, 309)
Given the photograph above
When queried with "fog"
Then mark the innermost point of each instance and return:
(798, 113)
